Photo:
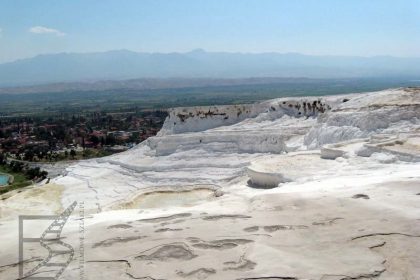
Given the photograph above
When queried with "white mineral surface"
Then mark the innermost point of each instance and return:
(322, 188)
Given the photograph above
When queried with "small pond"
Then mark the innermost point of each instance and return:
(4, 179)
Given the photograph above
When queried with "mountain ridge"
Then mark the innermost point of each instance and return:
(198, 63)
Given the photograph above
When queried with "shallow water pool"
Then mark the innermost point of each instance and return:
(159, 199)
(4, 179)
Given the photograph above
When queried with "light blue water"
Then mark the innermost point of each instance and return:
(3, 179)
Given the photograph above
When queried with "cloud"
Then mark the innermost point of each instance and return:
(45, 30)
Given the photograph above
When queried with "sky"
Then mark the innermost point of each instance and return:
(317, 27)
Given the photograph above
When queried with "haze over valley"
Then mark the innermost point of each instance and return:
(124, 64)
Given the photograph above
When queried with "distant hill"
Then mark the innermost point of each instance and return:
(123, 64)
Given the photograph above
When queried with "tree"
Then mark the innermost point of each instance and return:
(16, 166)
(2, 159)
(36, 173)
(32, 173)
(94, 139)
(110, 140)
(29, 155)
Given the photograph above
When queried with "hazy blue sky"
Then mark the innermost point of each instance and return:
(353, 27)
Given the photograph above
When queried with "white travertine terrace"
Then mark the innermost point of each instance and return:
(324, 188)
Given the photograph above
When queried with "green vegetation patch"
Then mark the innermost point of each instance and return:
(20, 180)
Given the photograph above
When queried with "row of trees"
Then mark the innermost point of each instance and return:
(34, 154)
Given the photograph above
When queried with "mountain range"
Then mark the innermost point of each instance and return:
(124, 64)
